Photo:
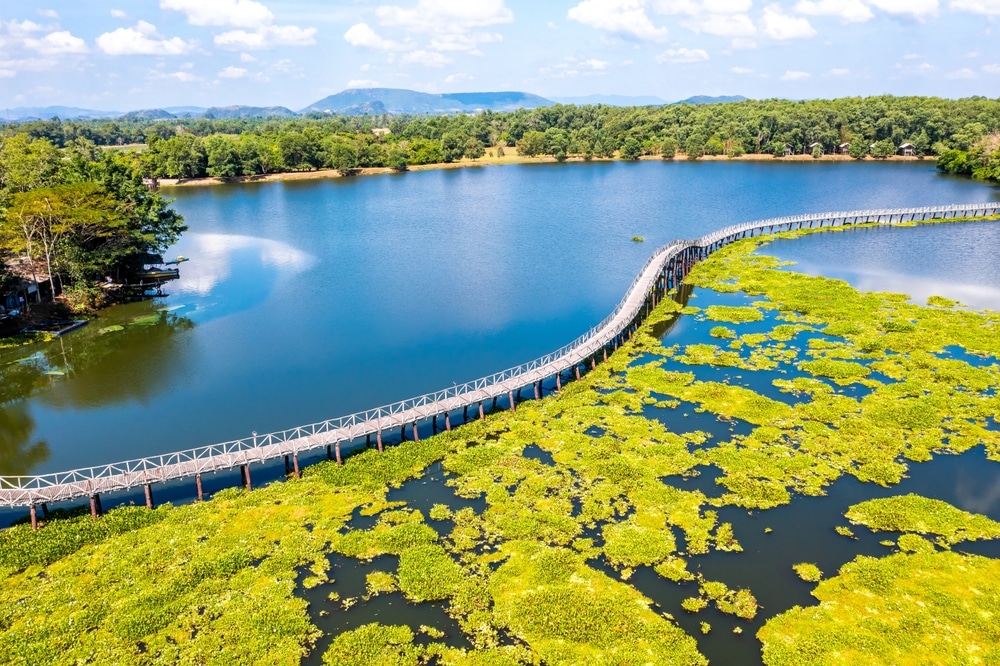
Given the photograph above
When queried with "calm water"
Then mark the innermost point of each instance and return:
(308, 300)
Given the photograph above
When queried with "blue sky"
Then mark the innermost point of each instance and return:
(153, 53)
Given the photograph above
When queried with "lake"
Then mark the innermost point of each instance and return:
(312, 299)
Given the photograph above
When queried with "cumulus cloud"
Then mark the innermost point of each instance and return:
(741, 70)
(848, 11)
(181, 76)
(793, 75)
(361, 34)
(118, 14)
(988, 7)
(266, 37)
(839, 72)
(458, 78)
(917, 9)
(683, 55)
(963, 73)
(574, 66)
(236, 13)
(232, 72)
(426, 58)
(992, 69)
(57, 43)
(778, 25)
(445, 16)
(622, 17)
(735, 25)
(48, 13)
(141, 39)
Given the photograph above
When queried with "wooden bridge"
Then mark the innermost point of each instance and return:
(663, 271)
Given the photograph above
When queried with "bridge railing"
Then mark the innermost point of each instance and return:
(201, 458)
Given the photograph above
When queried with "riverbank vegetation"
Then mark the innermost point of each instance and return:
(72, 218)
(563, 511)
(874, 126)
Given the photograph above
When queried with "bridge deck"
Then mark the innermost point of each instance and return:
(91, 481)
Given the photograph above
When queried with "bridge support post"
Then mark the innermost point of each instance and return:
(288, 468)
(34, 518)
(95, 506)
(336, 451)
(295, 466)
(434, 424)
(558, 382)
(368, 441)
(482, 415)
(465, 414)
(538, 389)
(416, 435)
(148, 488)
(494, 404)
(513, 405)
(576, 371)
(329, 452)
(402, 433)
(605, 353)
(245, 474)
(197, 484)
(593, 362)
(378, 440)
(447, 422)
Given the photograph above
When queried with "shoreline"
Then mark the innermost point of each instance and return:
(511, 158)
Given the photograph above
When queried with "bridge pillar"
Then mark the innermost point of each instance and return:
(148, 488)
(593, 362)
(558, 382)
(245, 475)
(402, 433)
(378, 440)
(576, 371)
(336, 451)
(288, 467)
(295, 466)
(493, 408)
(197, 483)
(368, 441)
(329, 452)
(434, 424)
(605, 353)
(95, 506)
(482, 415)
(510, 397)
(416, 435)
(465, 414)
(34, 518)
(538, 389)
(447, 422)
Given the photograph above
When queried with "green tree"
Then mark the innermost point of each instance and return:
(532, 144)
(27, 163)
(631, 149)
(883, 149)
(343, 157)
(474, 149)
(223, 156)
(694, 147)
(452, 147)
(858, 148)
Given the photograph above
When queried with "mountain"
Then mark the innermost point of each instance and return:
(182, 111)
(147, 114)
(248, 112)
(705, 99)
(48, 112)
(612, 100)
(357, 101)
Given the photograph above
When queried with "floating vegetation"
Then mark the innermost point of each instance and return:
(920, 608)
(808, 572)
(913, 513)
(733, 314)
(638, 239)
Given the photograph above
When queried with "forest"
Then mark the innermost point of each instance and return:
(871, 126)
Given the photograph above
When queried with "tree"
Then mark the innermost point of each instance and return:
(532, 143)
(81, 211)
(474, 149)
(343, 157)
(858, 148)
(452, 147)
(631, 149)
(883, 149)
(27, 163)
(694, 147)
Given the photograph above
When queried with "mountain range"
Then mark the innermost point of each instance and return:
(361, 101)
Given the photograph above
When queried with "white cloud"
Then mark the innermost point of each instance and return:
(57, 43)
(918, 9)
(48, 13)
(683, 55)
(236, 13)
(622, 17)
(989, 7)
(736, 25)
(849, 11)
(551, 26)
(362, 83)
(574, 66)
(266, 37)
(142, 39)
(118, 14)
(426, 58)
(741, 70)
(246, 57)
(183, 77)
(963, 73)
(839, 72)
(792, 75)
(232, 72)
(445, 16)
(458, 78)
(778, 25)
(992, 69)
(741, 43)
(361, 34)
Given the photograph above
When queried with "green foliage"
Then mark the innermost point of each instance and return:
(631, 149)
(923, 515)
(722, 333)
(374, 645)
(733, 314)
(808, 572)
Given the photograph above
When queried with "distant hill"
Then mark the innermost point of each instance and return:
(147, 114)
(705, 99)
(248, 112)
(613, 100)
(49, 112)
(358, 101)
(181, 111)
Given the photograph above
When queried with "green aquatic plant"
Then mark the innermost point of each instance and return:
(722, 333)
(733, 314)
(374, 645)
(808, 572)
(923, 515)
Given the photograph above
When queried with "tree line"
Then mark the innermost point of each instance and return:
(75, 216)
(877, 126)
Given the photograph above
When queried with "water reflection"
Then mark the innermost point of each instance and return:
(216, 255)
(18, 452)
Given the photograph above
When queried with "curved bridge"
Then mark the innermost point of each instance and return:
(663, 271)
